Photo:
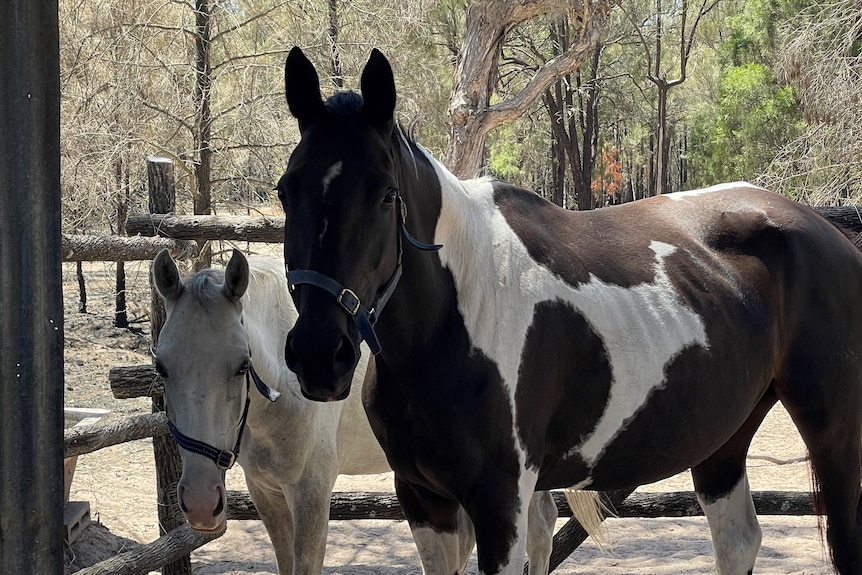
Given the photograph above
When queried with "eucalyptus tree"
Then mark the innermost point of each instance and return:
(472, 114)
(666, 67)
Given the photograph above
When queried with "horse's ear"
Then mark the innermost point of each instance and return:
(166, 276)
(378, 90)
(302, 88)
(236, 276)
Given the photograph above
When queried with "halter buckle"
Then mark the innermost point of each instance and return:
(225, 460)
(349, 301)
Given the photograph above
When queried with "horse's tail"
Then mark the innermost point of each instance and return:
(848, 220)
(819, 509)
(590, 511)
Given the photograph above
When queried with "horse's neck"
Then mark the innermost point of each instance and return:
(465, 228)
(268, 314)
(424, 301)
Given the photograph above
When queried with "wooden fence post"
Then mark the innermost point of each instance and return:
(162, 200)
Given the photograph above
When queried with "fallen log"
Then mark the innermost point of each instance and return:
(271, 229)
(238, 228)
(135, 381)
(83, 439)
(345, 506)
(150, 557)
(88, 248)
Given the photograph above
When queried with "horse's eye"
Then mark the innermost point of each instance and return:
(390, 196)
(243, 369)
(160, 369)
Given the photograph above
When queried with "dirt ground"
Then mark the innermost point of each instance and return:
(119, 482)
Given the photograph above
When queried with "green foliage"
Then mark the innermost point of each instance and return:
(752, 119)
(505, 153)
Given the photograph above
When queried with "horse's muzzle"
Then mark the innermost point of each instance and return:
(325, 372)
(204, 508)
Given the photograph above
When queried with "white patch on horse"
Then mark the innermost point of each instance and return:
(333, 172)
(626, 319)
(735, 531)
(439, 552)
(498, 301)
(677, 196)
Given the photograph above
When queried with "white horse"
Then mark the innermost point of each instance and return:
(292, 449)
(224, 334)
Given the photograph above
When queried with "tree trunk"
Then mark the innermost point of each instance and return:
(334, 52)
(662, 144)
(121, 318)
(203, 117)
(82, 288)
(471, 115)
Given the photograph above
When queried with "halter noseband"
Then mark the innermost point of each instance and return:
(348, 300)
(224, 459)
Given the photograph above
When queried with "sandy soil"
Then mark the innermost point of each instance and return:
(119, 482)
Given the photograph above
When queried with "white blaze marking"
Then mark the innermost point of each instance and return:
(677, 196)
(333, 172)
(499, 285)
(735, 531)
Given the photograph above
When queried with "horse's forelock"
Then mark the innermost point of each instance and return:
(205, 287)
(347, 103)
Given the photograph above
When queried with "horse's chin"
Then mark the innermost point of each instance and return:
(219, 528)
(326, 396)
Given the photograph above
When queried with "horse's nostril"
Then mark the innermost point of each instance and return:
(290, 356)
(180, 500)
(345, 356)
(220, 505)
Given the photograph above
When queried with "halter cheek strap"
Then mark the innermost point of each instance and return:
(224, 459)
(348, 300)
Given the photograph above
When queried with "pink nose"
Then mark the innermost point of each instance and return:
(203, 506)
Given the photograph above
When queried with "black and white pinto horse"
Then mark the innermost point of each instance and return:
(540, 348)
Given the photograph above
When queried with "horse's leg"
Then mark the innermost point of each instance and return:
(540, 531)
(311, 515)
(722, 490)
(278, 520)
(829, 420)
(439, 527)
(466, 539)
(501, 529)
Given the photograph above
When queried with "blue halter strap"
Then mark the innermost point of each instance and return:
(225, 459)
(347, 299)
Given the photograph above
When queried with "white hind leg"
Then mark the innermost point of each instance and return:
(540, 531)
(735, 531)
(443, 553)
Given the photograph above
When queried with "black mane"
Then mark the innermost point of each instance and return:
(346, 103)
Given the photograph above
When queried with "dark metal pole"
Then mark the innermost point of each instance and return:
(31, 316)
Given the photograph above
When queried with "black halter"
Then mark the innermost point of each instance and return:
(348, 300)
(225, 459)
